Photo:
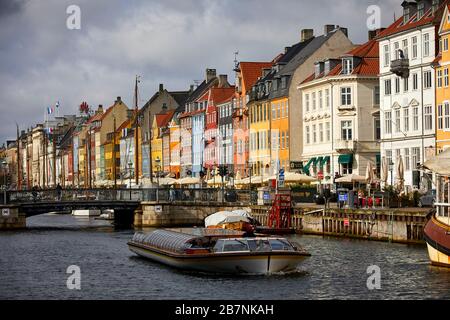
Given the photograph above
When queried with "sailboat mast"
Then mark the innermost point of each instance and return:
(136, 132)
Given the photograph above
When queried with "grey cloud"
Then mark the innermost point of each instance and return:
(170, 42)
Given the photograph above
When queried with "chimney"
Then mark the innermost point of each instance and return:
(191, 89)
(306, 34)
(100, 109)
(286, 49)
(161, 87)
(374, 33)
(223, 81)
(328, 28)
(344, 30)
(119, 100)
(210, 74)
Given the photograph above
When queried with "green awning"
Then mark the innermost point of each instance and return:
(346, 159)
(308, 165)
(378, 159)
(319, 161)
(325, 160)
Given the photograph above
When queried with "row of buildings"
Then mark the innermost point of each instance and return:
(324, 106)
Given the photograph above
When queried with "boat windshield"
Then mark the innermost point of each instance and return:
(253, 245)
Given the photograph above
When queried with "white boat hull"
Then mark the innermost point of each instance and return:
(86, 213)
(253, 264)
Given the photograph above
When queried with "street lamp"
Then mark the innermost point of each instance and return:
(4, 164)
(158, 168)
(130, 167)
(391, 169)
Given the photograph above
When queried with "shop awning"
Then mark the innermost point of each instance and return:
(325, 160)
(319, 161)
(311, 161)
(378, 159)
(346, 159)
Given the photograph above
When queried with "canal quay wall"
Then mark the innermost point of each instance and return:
(11, 218)
(403, 226)
(172, 214)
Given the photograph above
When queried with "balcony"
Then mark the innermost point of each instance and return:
(345, 146)
(400, 67)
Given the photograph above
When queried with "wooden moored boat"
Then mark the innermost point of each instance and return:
(218, 251)
(437, 229)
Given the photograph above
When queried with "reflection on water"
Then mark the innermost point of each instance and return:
(33, 265)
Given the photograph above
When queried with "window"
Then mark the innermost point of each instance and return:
(313, 96)
(347, 168)
(397, 85)
(427, 79)
(278, 110)
(406, 84)
(346, 96)
(397, 120)
(287, 139)
(415, 159)
(439, 78)
(307, 102)
(386, 56)
(420, 10)
(428, 118)
(426, 45)
(415, 81)
(347, 66)
(346, 130)
(328, 130)
(446, 77)
(308, 138)
(387, 87)
(414, 47)
(321, 132)
(416, 118)
(283, 146)
(327, 98)
(377, 127)
(314, 133)
(440, 121)
(445, 44)
(283, 82)
(389, 157)
(405, 48)
(376, 95)
(274, 114)
(320, 100)
(407, 160)
(396, 52)
(406, 119)
(388, 121)
(446, 116)
(287, 109)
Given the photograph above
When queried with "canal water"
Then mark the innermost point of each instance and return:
(33, 265)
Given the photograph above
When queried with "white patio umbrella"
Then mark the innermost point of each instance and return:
(384, 171)
(400, 172)
(292, 177)
(369, 173)
(351, 178)
(439, 164)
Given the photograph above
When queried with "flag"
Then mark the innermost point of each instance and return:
(49, 110)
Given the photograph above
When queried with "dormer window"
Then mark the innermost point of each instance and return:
(420, 10)
(347, 66)
(283, 82)
(275, 85)
(435, 5)
(406, 15)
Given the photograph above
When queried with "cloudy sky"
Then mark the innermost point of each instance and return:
(163, 41)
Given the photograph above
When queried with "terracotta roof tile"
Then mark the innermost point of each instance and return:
(251, 71)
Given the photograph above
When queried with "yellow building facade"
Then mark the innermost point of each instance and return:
(442, 67)
(259, 137)
(279, 124)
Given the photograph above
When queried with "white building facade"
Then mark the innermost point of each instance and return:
(407, 108)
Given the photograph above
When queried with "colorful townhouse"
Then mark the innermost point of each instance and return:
(163, 100)
(193, 110)
(225, 149)
(175, 143)
(215, 139)
(341, 114)
(442, 65)
(408, 49)
(160, 157)
(246, 73)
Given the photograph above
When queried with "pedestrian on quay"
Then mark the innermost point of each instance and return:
(34, 192)
(59, 191)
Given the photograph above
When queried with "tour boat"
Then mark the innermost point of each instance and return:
(437, 229)
(218, 251)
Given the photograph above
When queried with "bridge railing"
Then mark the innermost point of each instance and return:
(184, 195)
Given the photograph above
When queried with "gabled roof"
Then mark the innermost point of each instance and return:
(428, 19)
(218, 95)
(163, 119)
(368, 65)
(252, 71)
